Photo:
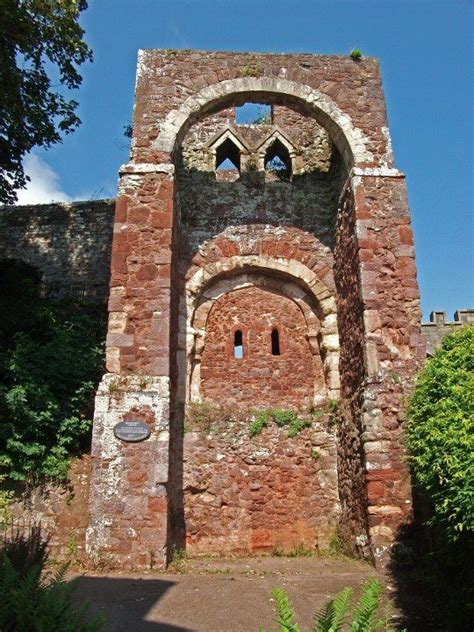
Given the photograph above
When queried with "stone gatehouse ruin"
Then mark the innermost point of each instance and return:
(264, 317)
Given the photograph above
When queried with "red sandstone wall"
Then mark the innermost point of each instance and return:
(259, 378)
(62, 511)
(351, 463)
(252, 495)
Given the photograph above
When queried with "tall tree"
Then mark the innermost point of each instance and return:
(41, 46)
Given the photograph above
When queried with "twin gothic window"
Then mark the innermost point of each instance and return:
(239, 343)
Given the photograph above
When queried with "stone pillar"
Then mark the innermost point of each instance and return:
(393, 346)
(129, 486)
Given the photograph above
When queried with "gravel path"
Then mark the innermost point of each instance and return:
(220, 595)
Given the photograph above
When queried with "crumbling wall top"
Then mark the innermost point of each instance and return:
(175, 88)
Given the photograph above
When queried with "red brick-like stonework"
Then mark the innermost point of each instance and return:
(258, 378)
(258, 494)
(324, 250)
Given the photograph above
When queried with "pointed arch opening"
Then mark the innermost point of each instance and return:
(227, 156)
(278, 160)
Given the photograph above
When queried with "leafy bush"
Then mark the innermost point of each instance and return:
(440, 435)
(50, 363)
(332, 618)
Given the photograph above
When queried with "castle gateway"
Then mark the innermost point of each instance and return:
(263, 314)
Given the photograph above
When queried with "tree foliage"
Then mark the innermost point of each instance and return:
(50, 362)
(440, 432)
(40, 46)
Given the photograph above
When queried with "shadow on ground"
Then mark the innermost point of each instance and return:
(220, 595)
(124, 603)
(434, 581)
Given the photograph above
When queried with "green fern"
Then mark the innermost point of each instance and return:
(285, 612)
(366, 609)
(331, 618)
(33, 602)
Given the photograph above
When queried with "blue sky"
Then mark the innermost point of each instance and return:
(426, 52)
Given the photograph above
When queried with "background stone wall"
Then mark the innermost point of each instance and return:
(70, 244)
(61, 510)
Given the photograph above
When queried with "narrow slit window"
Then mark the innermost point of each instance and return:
(238, 345)
(275, 342)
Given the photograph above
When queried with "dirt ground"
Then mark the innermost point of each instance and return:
(230, 595)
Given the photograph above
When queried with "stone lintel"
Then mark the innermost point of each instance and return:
(381, 172)
(145, 167)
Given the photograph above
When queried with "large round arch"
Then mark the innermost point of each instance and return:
(349, 140)
(300, 284)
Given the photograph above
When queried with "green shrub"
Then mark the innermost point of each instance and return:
(440, 435)
(332, 618)
(51, 360)
(355, 54)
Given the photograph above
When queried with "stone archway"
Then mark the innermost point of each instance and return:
(350, 141)
(321, 334)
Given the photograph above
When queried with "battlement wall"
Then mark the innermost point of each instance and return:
(438, 327)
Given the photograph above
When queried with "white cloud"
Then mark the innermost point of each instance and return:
(44, 186)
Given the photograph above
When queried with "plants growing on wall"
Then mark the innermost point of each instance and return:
(50, 362)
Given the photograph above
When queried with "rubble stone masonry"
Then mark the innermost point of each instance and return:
(321, 251)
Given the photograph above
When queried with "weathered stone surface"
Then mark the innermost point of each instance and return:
(70, 245)
(61, 510)
(324, 250)
(255, 495)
